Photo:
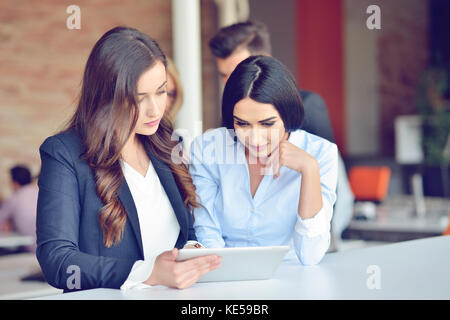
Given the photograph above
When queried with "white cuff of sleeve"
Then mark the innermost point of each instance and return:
(140, 272)
(317, 225)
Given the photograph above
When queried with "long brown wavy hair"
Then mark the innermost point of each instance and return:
(106, 117)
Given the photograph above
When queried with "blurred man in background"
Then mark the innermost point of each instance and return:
(20, 208)
(235, 43)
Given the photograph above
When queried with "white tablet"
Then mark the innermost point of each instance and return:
(241, 263)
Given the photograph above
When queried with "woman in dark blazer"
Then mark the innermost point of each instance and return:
(89, 233)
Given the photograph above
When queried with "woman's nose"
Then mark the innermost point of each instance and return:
(152, 109)
(257, 136)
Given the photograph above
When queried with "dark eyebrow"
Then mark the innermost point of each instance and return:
(260, 121)
(271, 118)
(239, 119)
(144, 93)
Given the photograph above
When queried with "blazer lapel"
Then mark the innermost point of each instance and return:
(127, 200)
(173, 193)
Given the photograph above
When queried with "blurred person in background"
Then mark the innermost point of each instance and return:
(19, 210)
(174, 91)
(174, 101)
(233, 44)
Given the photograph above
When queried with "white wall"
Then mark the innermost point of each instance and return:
(361, 77)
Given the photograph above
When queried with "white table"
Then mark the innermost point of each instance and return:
(13, 268)
(418, 269)
(11, 240)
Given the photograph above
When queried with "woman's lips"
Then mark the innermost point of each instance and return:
(152, 123)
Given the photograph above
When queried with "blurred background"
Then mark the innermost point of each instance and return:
(387, 93)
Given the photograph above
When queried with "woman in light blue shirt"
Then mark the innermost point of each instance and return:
(261, 180)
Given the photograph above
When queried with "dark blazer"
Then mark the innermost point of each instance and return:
(317, 120)
(67, 227)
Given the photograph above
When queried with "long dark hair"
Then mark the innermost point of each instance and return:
(266, 80)
(106, 116)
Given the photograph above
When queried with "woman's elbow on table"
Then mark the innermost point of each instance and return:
(310, 251)
(52, 266)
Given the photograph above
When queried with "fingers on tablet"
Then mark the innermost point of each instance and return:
(197, 267)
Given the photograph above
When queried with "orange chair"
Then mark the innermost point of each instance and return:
(447, 232)
(369, 183)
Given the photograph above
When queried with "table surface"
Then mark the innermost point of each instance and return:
(13, 240)
(397, 213)
(13, 268)
(396, 220)
(417, 269)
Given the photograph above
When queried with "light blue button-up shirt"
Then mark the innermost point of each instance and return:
(231, 217)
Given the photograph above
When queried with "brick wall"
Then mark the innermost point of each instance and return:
(402, 57)
(41, 63)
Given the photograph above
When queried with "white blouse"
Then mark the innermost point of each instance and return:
(158, 224)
